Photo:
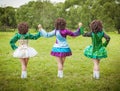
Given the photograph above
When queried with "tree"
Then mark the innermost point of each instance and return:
(74, 11)
(108, 11)
(7, 17)
(37, 12)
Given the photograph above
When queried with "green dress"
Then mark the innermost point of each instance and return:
(97, 49)
(23, 50)
(18, 36)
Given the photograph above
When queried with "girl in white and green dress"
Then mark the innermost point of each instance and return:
(97, 50)
(23, 51)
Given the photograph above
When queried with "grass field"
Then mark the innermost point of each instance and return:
(42, 69)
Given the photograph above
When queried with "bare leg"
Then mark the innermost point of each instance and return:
(24, 62)
(63, 60)
(60, 61)
(96, 64)
(96, 68)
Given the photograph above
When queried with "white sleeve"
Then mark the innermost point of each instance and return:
(43, 33)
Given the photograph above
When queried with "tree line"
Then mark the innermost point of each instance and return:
(74, 11)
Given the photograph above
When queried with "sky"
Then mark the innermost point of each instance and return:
(18, 3)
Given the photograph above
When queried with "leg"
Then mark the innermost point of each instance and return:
(96, 68)
(63, 60)
(24, 62)
(96, 64)
(60, 62)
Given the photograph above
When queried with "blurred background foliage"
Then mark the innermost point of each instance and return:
(74, 11)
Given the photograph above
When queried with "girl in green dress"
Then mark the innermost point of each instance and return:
(97, 50)
(23, 51)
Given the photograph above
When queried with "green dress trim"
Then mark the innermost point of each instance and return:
(18, 36)
(97, 49)
(81, 30)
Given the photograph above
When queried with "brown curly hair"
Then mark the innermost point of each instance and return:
(23, 28)
(96, 26)
(60, 24)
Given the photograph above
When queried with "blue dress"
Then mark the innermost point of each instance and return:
(61, 47)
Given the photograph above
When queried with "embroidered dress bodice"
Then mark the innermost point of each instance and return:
(23, 50)
(60, 41)
(61, 47)
(23, 43)
(97, 49)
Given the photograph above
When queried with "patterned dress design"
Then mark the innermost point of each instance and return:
(97, 49)
(23, 50)
(61, 47)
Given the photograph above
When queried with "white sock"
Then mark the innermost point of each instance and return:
(60, 73)
(96, 74)
(24, 74)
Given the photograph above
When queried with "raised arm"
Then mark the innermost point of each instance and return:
(47, 34)
(73, 34)
(34, 37)
(79, 31)
(44, 33)
(13, 41)
(107, 39)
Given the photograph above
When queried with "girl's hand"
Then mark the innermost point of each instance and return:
(39, 26)
(80, 24)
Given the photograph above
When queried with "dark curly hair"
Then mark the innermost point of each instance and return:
(23, 28)
(60, 24)
(96, 26)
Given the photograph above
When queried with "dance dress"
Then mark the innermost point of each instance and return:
(97, 49)
(61, 47)
(23, 50)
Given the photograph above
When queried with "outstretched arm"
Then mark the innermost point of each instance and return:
(34, 37)
(47, 34)
(78, 32)
(73, 34)
(107, 40)
(44, 33)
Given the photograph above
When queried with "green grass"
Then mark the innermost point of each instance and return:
(42, 69)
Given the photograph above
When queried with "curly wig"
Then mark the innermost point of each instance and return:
(96, 26)
(60, 24)
(23, 28)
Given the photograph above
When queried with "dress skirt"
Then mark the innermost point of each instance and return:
(61, 52)
(98, 54)
(24, 52)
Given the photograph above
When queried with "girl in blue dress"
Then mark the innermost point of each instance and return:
(61, 48)
(23, 51)
(97, 50)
